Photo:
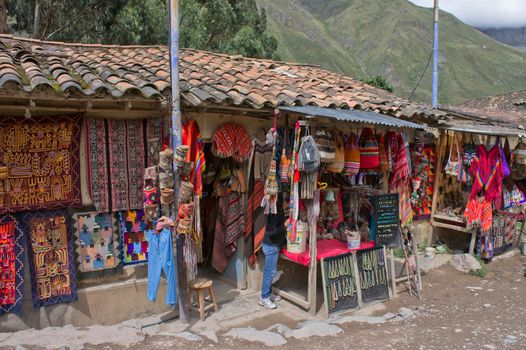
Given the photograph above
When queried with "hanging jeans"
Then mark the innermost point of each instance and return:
(160, 258)
(271, 252)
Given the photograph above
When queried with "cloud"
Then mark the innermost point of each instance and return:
(484, 13)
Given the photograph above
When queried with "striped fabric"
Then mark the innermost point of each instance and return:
(326, 145)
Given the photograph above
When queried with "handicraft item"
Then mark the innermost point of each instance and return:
(133, 236)
(51, 258)
(96, 241)
(39, 163)
(11, 265)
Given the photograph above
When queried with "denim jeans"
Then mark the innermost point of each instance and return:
(271, 252)
(160, 258)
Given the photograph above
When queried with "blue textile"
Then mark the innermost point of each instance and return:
(160, 259)
(271, 252)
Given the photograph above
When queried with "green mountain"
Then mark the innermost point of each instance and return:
(393, 38)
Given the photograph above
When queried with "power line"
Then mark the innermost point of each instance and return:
(421, 76)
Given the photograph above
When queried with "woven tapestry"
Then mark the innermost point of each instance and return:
(133, 237)
(11, 265)
(154, 136)
(51, 261)
(96, 241)
(98, 164)
(126, 148)
(39, 163)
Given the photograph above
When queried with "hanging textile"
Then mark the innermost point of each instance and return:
(133, 236)
(161, 259)
(487, 172)
(11, 265)
(294, 201)
(39, 163)
(154, 136)
(231, 140)
(126, 148)
(398, 157)
(191, 137)
(51, 258)
(96, 241)
(98, 164)
(422, 178)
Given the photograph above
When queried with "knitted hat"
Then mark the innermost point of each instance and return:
(180, 153)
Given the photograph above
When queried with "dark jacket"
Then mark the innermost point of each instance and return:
(275, 230)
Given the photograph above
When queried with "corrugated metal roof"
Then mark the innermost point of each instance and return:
(492, 130)
(353, 115)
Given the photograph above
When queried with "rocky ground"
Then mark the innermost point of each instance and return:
(458, 311)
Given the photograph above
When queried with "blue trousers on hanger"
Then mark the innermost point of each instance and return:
(160, 258)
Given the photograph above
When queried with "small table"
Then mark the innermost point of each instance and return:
(457, 224)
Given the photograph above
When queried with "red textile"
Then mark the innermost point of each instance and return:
(325, 249)
(231, 140)
(191, 137)
(487, 173)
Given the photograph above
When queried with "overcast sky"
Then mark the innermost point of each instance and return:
(484, 13)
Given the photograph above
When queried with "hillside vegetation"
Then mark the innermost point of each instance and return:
(393, 38)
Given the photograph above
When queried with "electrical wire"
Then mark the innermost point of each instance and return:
(421, 76)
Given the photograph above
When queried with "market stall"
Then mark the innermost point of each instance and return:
(479, 186)
(341, 166)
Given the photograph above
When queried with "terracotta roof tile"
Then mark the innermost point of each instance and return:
(205, 77)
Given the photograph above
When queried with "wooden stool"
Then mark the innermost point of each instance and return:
(199, 286)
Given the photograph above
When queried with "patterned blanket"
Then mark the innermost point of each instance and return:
(134, 239)
(39, 163)
(96, 241)
(51, 259)
(11, 265)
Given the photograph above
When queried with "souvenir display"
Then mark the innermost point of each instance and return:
(96, 241)
(39, 163)
(11, 264)
(133, 236)
(51, 258)
(98, 164)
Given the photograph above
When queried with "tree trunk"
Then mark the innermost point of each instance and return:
(3, 17)
(36, 23)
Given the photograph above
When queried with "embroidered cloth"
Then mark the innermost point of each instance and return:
(127, 163)
(133, 237)
(98, 164)
(39, 163)
(191, 136)
(96, 241)
(487, 173)
(231, 140)
(11, 265)
(51, 259)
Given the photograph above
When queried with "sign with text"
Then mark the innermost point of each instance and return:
(386, 220)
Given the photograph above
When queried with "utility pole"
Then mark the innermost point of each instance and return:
(434, 101)
(36, 20)
(182, 292)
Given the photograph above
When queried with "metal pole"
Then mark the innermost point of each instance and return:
(435, 57)
(176, 141)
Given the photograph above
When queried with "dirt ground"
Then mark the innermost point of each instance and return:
(458, 311)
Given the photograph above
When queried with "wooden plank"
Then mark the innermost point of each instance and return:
(445, 217)
(392, 290)
(452, 227)
(325, 300)
(438, 172)
(358, 281)
(313, 266)
(293, 297)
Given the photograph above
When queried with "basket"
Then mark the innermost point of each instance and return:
(186, 192)
(180, 153)
(184, 226)
(167, 196)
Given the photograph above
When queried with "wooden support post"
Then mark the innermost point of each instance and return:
(472, 242)
(358, 280)
(393, 272)
(438, 171)
(313, 266)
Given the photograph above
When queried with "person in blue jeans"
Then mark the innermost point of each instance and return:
(275, 238)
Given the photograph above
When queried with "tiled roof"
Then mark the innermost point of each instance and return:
(98, 71)
(499, 116)
(513, 101)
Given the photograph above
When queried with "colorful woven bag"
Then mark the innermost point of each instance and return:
(338, 164)
(369, 152)
(352, 155)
